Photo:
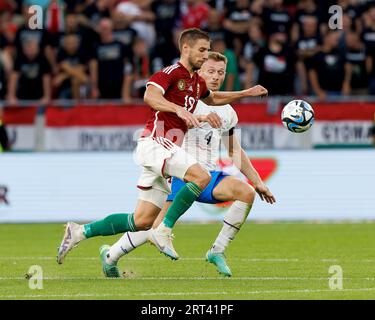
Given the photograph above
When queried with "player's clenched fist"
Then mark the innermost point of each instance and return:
(190, 119)
(212, 119)
(257, 91)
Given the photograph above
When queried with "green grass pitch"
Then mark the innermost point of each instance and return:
(268, 261)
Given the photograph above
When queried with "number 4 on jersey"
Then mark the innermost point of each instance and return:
(208, 137)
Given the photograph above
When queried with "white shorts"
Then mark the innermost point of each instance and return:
(161, 159)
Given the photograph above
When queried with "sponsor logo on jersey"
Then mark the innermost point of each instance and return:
(198, 89)
(181, 85)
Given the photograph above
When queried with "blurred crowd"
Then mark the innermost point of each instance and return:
(107, 49)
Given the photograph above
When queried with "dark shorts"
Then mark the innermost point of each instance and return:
(206, 196)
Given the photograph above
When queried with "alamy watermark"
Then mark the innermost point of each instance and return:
(335, 21)
(35, 20)
(336, 280)
(35, 277)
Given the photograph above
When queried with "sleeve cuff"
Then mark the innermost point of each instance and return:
(156, 85)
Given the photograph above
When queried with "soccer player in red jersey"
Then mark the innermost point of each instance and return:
(172, 93)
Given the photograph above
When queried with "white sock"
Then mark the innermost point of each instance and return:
(162, 228)
(128, 242)
(81, 233)
(232, 223)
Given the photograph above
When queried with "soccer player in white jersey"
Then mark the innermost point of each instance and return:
(203, 143)
(172, 94)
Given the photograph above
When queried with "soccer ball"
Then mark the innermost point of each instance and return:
(297, 116)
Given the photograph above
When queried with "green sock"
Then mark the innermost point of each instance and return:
(181, 203)
(110, 225)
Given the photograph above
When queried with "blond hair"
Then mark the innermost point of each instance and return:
(217, 56)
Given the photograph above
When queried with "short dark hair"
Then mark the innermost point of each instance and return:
(191, 35)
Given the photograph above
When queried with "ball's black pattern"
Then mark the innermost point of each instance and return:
(297, 116)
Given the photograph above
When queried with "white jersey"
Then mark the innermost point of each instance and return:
(203, 143)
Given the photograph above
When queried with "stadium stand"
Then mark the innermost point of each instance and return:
(268, 40)
(91, 52)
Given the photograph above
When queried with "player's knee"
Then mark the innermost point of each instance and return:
(245, 193)
(203, 179)
(199, 176)
(144, 224)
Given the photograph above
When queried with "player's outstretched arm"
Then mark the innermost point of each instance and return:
(219, 98)
(154, 98)
(243, 163)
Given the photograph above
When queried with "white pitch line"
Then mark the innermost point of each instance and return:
(198, 259)
(221, 293)
(153, 258)
(189, 278)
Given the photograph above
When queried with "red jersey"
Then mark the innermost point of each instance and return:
(180, 88)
